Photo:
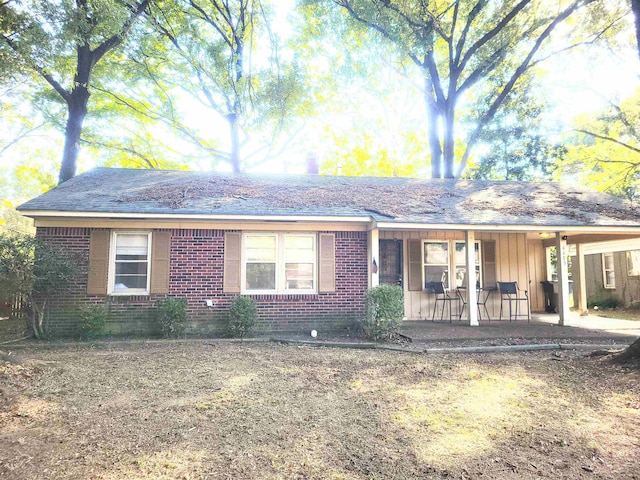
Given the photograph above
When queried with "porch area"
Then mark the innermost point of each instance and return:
(542, 329)
(473, 266)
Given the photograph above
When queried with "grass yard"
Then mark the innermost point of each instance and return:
(213, 409)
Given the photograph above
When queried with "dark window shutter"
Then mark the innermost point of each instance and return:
(327, 263)
(231, 277)
(98, 262)
(415, 265)
(489, 266)
(160, 254)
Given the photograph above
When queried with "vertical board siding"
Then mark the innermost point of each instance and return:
(512, 264)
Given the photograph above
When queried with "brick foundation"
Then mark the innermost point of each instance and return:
(196, 268)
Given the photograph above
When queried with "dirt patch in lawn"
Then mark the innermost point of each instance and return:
(220, 410)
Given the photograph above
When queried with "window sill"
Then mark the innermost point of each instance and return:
(282, 296)
(129, 294)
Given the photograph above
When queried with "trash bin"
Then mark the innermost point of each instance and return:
(550, 296)
(551, 300)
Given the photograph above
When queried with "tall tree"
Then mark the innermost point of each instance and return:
(465, 48)
(63, 42)
(605, 152)
(228, 57)
(517, 144)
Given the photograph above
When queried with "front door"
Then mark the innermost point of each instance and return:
(391, 262)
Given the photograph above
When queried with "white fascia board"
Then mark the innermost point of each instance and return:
(611, 246)
(510, 228)
(189, 216)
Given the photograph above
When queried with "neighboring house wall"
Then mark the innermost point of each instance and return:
(627, 288)
(196, 267)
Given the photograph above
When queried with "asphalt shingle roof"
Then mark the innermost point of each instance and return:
(430, 201)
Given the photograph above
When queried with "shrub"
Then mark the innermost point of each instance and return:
(171, 315)
(385, 310)
(93, 319)
(242, 316)
(604, 302)
(33, 270)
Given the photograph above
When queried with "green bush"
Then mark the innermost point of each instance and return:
(242, 316)
(601, 301)
(93, 319)
(171, 315)
(385, 310)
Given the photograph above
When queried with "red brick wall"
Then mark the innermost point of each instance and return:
(196, 274)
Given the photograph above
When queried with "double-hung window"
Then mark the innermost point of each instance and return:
(130, 263)
(279, 263)
(608, 271)
(435, 261)
(461, 265)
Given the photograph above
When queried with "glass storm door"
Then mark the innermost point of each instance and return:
(391, 262)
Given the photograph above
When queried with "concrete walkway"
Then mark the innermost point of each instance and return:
(598, 323)
(542, 329)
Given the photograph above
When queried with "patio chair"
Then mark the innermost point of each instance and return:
(509, 292)
(482, 298)
(443, 295)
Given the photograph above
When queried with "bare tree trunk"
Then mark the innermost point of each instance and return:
(433, 119)
(630, 354)
(635, 7)
(234, 130)
(77, 112)
(37, 319)
(449, 142)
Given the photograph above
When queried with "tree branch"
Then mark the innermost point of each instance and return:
(117, 39)
(492, 33)
(488, 116)
(40, 70)
(610, 139)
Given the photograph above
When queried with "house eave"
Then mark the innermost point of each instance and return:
(614, 229)
(36, 214)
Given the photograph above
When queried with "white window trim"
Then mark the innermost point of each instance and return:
(451, 266)
(448, 264)
(610, 286)
(479, 244)
(280, 265)
(112, 264)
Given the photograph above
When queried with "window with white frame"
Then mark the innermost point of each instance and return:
(608, 271)
(435, 262)
(279, 263)
(130, 263)
(633, 263)
(461, 265)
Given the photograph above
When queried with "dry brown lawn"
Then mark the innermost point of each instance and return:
(190, 410)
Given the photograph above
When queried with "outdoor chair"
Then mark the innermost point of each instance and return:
(482, 298)
(444, 295)
(510, 293)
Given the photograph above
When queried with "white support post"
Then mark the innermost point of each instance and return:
(582, 280)
(472, 293)
(563, 279)
(374, 257)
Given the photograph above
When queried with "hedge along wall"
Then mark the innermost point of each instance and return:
(196, 271)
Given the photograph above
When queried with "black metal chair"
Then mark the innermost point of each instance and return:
(443, 295)
(509, 292)
(482, 298)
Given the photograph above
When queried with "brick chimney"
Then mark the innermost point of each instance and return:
(312, 163)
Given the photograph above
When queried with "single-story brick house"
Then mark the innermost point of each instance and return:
(308, 247)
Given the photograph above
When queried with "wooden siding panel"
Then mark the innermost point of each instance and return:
(327, 268)
(232, 268)
(415, 265)
(98, 262)
(160, 254)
